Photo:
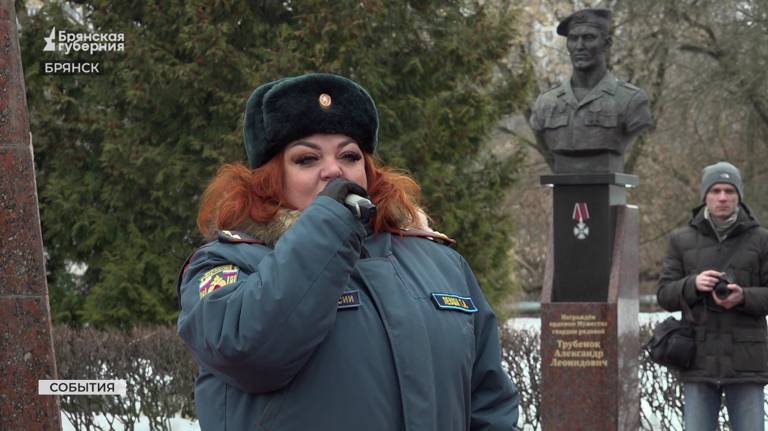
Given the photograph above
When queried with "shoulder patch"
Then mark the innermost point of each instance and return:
(218, 277)
(446, 301)
(428, 234)
(236, 237)
(183, 272)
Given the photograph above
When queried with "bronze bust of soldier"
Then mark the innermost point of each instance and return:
(589, 121)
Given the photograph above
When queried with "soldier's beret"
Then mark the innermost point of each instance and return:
(600, 18)
(282, 111)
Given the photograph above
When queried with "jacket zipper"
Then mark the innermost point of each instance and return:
(721, 356)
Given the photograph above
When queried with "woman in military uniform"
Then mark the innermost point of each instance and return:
(306, 313)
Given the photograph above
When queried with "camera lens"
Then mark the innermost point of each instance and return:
(721, 288)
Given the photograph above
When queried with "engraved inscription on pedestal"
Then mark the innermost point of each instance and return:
(579, 341)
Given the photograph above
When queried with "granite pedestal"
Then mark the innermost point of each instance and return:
(26, 343)
(589, 315)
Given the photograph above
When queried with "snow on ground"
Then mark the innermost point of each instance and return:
(180, 424)
(177, 424)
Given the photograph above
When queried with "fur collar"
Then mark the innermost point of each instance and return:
(271, 231)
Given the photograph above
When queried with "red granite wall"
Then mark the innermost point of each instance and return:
(26, 346)
(589, 350)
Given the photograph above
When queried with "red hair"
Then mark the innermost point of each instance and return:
(237, 195)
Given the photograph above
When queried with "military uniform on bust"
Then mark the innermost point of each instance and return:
(606, 119)
(591, 119)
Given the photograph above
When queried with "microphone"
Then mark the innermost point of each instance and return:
(361, 207)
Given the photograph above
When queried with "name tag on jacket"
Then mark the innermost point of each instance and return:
(349, 299)
(446, 301)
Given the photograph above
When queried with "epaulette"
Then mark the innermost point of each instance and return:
(630, 86)
(555, 86)
(237, 237)
(428, 234)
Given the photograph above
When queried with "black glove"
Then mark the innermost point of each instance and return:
(340, 188)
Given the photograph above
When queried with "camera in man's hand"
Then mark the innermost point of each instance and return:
(721, 287)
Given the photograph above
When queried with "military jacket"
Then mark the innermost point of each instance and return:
(337, 329)
(731, 345)
(606, 119)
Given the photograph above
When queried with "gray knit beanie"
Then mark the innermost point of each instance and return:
(721, 172)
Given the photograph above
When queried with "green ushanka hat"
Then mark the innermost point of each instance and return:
(282, 111)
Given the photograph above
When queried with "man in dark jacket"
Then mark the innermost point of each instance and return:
(722, 241)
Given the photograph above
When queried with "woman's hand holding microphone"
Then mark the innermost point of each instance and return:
(351, 195)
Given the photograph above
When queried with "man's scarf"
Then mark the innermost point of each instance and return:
(721, 227)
